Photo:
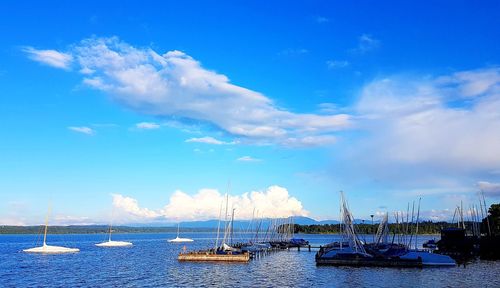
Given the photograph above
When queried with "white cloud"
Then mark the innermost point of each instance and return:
(489, 189)
(334, 64)
(175, 85)
(275, 201)
(209, 140)
(248, 159)
(147, 125)
(82, 129)
(427, 133)
(50, 57)
(413, 121)
(131, 207)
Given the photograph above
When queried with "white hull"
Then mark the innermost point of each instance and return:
(47, 249)
(114, 244)
(430, 259)
(180, 240)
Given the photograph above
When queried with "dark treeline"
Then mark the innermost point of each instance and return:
(424, 227)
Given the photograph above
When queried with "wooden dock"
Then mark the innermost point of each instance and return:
(212, 257)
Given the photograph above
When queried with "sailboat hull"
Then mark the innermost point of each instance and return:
(47, 249)
(114, 244)
(180, 240)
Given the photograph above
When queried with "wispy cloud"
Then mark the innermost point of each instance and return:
(328, 108)
(176, 85)
(335, 64)
(147, 125)
(49, 57)
(321, 19)
(443, 129)
(366, 43)
(82, 129)
(248, 159)
(293, 52)
(209, 140)
(275, 201)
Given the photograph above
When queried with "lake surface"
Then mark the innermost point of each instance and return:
(152, 262)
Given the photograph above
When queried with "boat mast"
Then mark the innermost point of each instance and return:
(231, 231)
(218, 225)
(486, 212)
(418, 215)
(46, 225)
(225, 222)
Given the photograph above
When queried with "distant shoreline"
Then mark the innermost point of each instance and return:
(103, 229)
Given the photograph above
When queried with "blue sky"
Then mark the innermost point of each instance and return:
(156, 107)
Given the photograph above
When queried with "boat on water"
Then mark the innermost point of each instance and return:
(179, 239)
(112, 243)
(50, 249)
(351, 251)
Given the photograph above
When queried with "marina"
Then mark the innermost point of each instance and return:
(141, 266)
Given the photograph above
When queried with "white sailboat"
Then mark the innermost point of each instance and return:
(49, 249)
(111, 243)
(178, 239)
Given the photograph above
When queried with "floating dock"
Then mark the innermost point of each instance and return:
(369, 262)
(212, 257)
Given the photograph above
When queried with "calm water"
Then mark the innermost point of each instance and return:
(152, 263)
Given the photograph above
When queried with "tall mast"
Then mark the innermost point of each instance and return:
(178, 224)
(231, 231)
(486, 212)
(46, 225)
(226, 226)
(218, 225)
(110, 225)
(418, 215)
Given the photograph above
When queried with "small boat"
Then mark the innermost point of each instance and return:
(49, 249)
(178, 239)
(429, 259)
(111, 243)
(430, 244)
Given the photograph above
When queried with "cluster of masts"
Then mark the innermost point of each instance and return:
(472, 215)
(260, 229)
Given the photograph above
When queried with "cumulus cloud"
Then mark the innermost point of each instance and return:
(275, 201)
(176, 85)
(147, 125)
(248, 159)
(209, 140)
(82, 129)
(50, 57)
(131, 207)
